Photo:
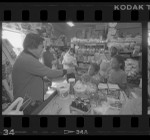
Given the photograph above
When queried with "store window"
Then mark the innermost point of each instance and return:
(16, 40)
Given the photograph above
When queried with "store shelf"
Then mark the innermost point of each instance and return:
(83, 62)
(86, 54)
(135, 57)
(129, 52)
(122, 41)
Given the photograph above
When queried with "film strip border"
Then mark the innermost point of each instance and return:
(75, 12)
(78, 124)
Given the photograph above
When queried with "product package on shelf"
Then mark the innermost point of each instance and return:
(127, 44)
(86, 53)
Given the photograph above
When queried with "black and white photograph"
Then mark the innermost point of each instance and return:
(72, 68)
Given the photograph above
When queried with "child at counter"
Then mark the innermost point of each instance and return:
(92, 75)
(117, 74)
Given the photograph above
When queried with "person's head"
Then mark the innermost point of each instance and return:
(34, 43)
(113, 51)
(47, 48)
(71, 51)
(118, 62)
(93, 69)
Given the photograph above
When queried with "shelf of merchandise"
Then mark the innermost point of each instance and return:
(124, 41)
(89, 54)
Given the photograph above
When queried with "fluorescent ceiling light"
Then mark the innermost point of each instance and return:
(71, 24)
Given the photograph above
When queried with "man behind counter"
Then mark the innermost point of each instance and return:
(28, 72)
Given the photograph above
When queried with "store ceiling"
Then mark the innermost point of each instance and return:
(63, 28)
(102, 25)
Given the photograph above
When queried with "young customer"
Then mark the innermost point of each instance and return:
(92, 75)
(70, 63)
(117, 74)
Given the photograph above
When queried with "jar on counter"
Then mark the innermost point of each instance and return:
(72, 83)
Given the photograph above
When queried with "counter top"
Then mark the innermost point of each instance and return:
(57, 105)
(61, 106)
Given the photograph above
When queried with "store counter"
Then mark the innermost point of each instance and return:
(57, 105)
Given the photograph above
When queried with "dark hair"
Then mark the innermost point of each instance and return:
(72, 50)
(121, 61)
(32, 41)
(47, 48)
(115, 51)
(95, 66)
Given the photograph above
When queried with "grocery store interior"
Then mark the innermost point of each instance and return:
(101, 65)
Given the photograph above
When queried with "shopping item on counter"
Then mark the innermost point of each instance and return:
(101, 110)
(113, 86)
(117, 103)
(112, 90)
(72, 83)
(80, 105)
(63, 89)
(113, 94)
(91, 88)
(102, 97)
(79, 87)
(102, 86)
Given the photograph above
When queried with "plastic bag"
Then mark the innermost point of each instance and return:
(11, 111)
